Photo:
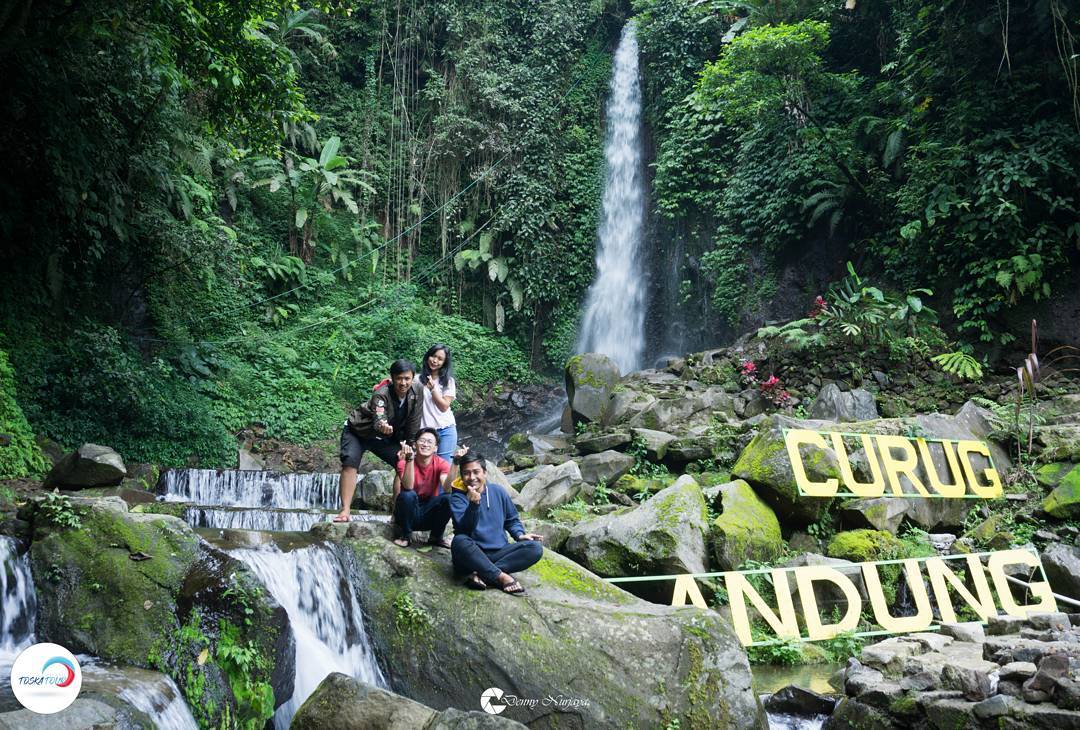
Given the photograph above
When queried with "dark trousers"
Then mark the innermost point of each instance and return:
(412, 514)
(469, 557)
(353, 448)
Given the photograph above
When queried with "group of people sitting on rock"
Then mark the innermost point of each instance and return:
(408, 424)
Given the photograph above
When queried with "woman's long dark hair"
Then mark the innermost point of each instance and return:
(444, 373)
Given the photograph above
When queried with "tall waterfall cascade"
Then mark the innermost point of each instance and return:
(313, 586)
(614, 320)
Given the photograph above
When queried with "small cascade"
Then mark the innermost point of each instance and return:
(313, 586)
(266, 520)
(18, 606)
(234, 488)
(150, 692)
(614, 321)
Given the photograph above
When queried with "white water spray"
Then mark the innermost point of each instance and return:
(614, 322)
(314, 588)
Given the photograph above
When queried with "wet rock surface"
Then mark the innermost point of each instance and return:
(964, 679)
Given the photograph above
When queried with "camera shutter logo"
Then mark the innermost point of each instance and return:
(489, 694)
(46, 678)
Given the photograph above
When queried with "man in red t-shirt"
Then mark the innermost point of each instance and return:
(421, 504)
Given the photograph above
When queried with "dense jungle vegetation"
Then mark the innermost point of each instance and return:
(215, 213)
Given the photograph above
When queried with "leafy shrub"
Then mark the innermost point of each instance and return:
(21, 456)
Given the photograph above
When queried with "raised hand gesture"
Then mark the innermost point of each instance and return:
(406, 452)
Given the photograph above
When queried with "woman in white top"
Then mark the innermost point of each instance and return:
(439, 392)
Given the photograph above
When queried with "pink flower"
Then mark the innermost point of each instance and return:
(770, 383)
(748, 367)
(820, 305)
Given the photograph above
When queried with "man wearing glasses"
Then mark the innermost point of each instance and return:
(419, 500)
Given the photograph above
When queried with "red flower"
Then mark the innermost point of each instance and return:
(770, 383)
(748, 367)
(820, 305)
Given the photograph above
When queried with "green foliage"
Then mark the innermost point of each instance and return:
(242, 662)
(960, 364)
(56, 509)
(866, 314)
(786, 652)
(409, 619)
(842, 646)
(850, 124)
(642, 466)
(20, 456)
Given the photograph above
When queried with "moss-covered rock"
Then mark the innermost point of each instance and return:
(991, 533)
(665, 535)
(764, 463)
(861, 546)
(145, 590)
(1050, 475)
(343, 702)
(638, 664)
(1064, 501)
(590, 382)
(747, 528)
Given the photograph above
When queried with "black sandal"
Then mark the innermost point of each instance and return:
(443, 543)
(514, 589)
(475, 582)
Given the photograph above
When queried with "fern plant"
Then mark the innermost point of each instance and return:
(796, 334)
(960, 364)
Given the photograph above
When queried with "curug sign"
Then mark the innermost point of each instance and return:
(971, 473)
(791, 584)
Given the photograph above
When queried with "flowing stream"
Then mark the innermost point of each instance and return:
(18, 606)
(614, 321)
(313, 586)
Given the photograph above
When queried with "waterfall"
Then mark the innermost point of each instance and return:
(153, 693)
(614, 321)
(251, 488)
(18, 606)
(313, 586)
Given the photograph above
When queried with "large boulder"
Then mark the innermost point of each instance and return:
(594, 443)
(551, 487)
(875, 513)
(376, 490)
(615, 661)
(765, 465)
(607, 466)
(665, 535)
(1062, 565)
(91, 465)
(343, 703)
(656, 442)
(833, 404)
(590, 381)
(1064, 501)
(747, 528)
(145, 590)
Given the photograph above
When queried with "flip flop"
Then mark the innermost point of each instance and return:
(475, 582)
(514, 589)
(342, 518)
(444, 543)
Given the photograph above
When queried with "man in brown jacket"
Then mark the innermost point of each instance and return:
(388, 420)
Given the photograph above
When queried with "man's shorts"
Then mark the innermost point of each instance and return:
(353, 448)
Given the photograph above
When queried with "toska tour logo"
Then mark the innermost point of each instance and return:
(489, 694)
(46, 678)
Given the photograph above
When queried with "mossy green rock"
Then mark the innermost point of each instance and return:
(1064, 501)
(860, 546)
(991, 533)
(638, 664)
(145, 590)
(747, 529)
(765, 465)
(665, 535)
(1051, 475)
(590, 382)
(341, 701)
